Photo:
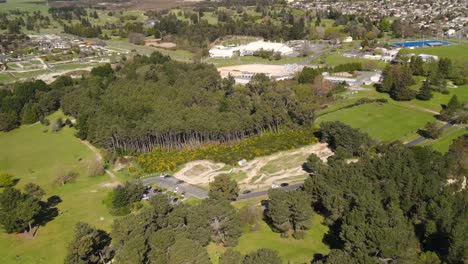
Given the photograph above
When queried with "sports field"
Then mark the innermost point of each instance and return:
(34, 155)
(458, 52)
(384, 122)
(335, 59)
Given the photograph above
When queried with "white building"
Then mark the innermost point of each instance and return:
(450, 32)
(339, 79)
(428, 57)
(348, 39)
(249, 49)
(223, 52)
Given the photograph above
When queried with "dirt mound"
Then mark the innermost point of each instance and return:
(258, 173)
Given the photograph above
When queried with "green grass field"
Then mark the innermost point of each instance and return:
(443, 143)
(442, 99)
(252, 60)
(335, 59)
(6, 78)
(124, 45)
(290, 249)
(24, 5)
(455, 52)
(33, 155)
(382, 121)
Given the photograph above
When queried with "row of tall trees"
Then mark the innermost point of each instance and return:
(153, 101)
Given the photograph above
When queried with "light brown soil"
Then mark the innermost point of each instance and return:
(156, 43)
(202, 172)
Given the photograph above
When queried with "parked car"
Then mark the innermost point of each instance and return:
(284, 184)
(163, 175)
(180, 181)
(246, 191)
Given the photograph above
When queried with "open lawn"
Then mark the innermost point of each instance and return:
(389, 121)
(24, 5)
(443, 143)
(335, 59)
(442, 99)
(237, 60)
(33, 154)
(454, 51)
(290, 249)
(123, 45)
(6, 78)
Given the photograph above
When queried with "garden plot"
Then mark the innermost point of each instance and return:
(261, 172)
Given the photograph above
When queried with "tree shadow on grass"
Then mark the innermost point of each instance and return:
(49, 210)
(332, 238)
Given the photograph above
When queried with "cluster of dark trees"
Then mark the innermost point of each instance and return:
(83, 29)
(398, 77)
(12, 42)
(153, 101)
(125, 197)
(203, 33)
(21, 210)
(36, 21)
(168, 232)
(393, 203)
(68, 12)
(308, 74)
(289, 212)
(396, 81)
(29, 102)
(454, 111)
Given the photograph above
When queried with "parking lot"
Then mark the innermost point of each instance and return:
(172, 184)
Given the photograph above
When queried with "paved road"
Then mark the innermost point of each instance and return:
(264, 192)
(420, 139)
(170, 183)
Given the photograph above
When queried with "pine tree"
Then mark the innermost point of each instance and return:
(425, 91)
(28, 115)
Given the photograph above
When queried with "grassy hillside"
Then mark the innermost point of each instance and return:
(34, 155)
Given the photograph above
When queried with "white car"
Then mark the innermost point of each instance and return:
(274, 186)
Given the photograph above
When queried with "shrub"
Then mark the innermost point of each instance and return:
(298, 234)
(65, 177)
(6, 180)
(161, 160)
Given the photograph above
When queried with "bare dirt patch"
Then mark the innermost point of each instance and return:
(258, 173)
(157, 43)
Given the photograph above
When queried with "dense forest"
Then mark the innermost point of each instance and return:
(29, 102)
(392, 205)
(153, 101)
